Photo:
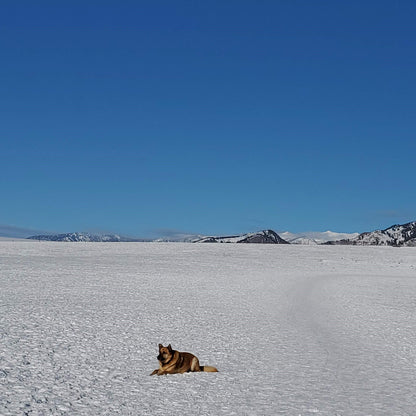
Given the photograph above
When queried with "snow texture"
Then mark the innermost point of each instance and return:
(293, 330)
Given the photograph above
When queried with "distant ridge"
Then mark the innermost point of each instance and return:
(315, 237)
(260, 237)
(397, 236)
(84, 237)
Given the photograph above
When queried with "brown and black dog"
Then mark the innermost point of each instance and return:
(173, 362)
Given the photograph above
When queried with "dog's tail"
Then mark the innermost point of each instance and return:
(208, 369)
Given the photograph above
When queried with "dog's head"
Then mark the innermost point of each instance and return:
(165, 353)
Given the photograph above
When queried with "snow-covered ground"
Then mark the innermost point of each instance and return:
(293, 330)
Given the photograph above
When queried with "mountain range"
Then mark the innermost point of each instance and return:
(396, 235)
(315, 238)
(259, 237)
(85, 237)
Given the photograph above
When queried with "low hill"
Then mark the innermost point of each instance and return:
(260, 237)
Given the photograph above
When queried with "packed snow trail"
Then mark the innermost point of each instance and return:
(293, 330)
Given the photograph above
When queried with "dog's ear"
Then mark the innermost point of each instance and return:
(169, 348)
(160, 346)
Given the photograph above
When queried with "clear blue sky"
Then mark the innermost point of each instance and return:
(209, 117)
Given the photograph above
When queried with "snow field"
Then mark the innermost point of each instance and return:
(293, 330)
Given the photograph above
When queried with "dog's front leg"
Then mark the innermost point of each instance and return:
(159, 372)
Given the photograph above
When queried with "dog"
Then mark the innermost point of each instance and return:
(174, 362)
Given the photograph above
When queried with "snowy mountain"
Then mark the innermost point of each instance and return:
(315, 237)
(260, 237)
(396, 235)
(85, 237)
(305, 241)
